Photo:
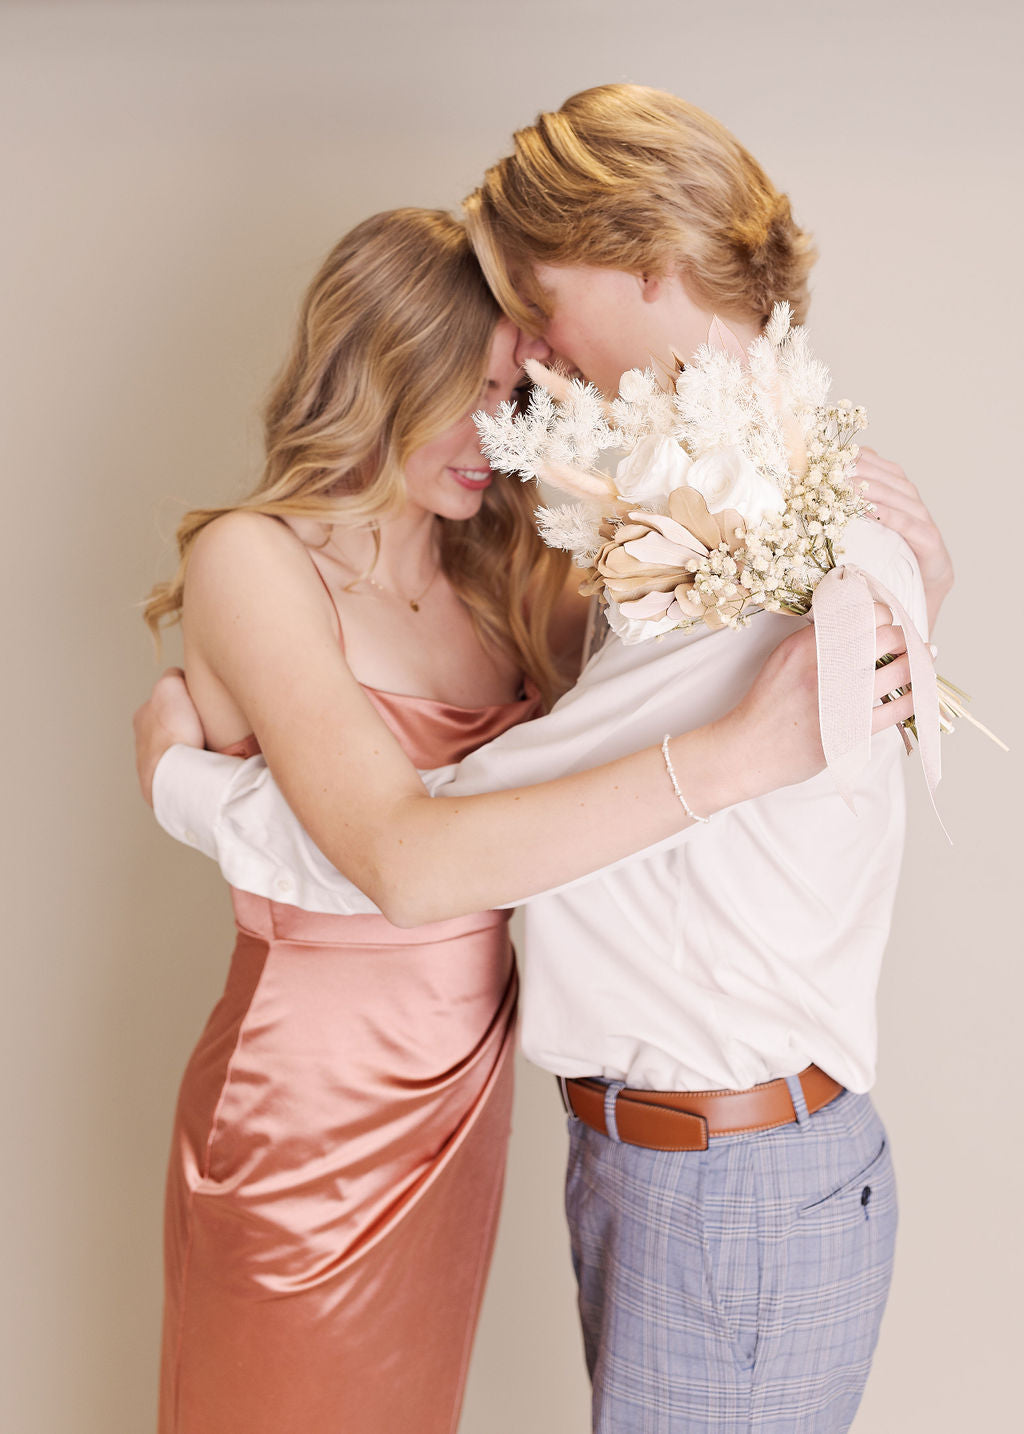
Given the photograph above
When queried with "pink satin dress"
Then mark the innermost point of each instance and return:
(338, 1157)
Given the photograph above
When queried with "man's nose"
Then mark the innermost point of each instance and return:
(528, 347)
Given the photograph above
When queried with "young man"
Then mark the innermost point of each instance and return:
(708, 1006)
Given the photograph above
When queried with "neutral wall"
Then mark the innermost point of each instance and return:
(171, 174)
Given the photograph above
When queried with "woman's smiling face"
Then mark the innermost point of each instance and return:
(449, 475)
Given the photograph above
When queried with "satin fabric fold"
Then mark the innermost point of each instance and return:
(338, 1157)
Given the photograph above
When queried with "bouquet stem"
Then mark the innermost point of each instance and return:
(952, 707)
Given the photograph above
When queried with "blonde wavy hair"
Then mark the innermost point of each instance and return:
(630, 178)
(392, 348)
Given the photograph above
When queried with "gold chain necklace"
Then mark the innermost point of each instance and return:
(414, 603)
(380, 587)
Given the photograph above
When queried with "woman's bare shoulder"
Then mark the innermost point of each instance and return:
(240, 551)
(257, 621)
(249, 572)
(244, 532)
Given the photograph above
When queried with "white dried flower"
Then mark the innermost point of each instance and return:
(573, 528)
(727, 479)
(652, 470)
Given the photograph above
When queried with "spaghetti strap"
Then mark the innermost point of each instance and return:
(334, 606)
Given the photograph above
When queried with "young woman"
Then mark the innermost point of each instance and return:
(379, 604)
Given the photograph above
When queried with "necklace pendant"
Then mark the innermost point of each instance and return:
(414, 605)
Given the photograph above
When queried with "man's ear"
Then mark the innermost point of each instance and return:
(651, 287)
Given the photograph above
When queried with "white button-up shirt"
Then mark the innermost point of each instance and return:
(732, 953)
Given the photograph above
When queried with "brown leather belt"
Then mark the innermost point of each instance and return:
(684, 1120)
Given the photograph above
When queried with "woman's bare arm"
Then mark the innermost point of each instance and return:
(258, 621)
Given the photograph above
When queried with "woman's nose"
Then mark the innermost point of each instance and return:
(528, 347)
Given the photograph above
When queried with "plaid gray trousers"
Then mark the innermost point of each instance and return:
(737, 1288)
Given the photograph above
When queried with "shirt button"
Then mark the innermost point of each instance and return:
(191, 838)
(283, 884)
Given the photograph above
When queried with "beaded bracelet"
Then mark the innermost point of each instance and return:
(675, 785)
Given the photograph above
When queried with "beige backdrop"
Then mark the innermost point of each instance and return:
(171, 176)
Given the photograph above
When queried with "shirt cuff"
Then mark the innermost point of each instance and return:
(190, 788)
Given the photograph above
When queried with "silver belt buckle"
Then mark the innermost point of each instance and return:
(563, 1087)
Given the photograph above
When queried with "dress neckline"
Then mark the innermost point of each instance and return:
(248, 746)
(528, 696)
(530, 690)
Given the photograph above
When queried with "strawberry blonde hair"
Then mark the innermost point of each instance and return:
(625, 177)
(392, 349)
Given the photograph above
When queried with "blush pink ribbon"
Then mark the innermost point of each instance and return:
(844, 628)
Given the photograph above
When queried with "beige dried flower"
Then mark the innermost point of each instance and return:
(655, 565)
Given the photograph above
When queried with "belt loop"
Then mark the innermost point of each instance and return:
(611, 1095)
(796, 1095)
(563, 1086)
